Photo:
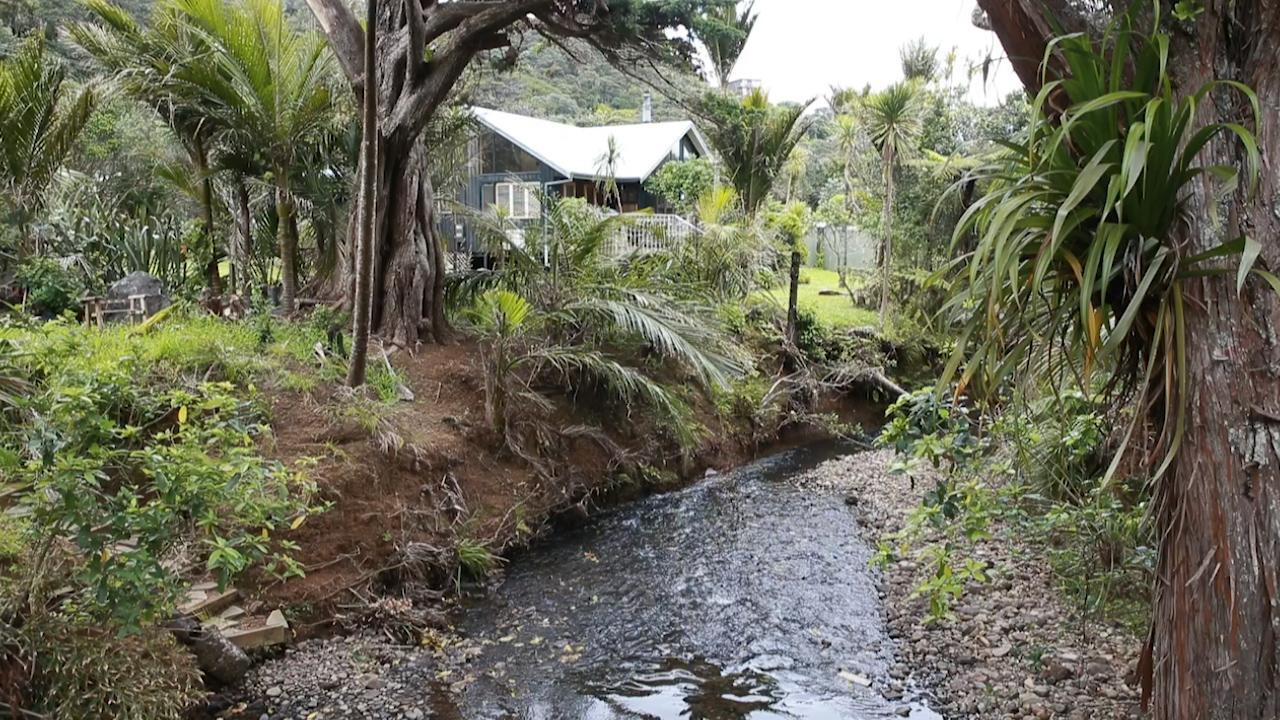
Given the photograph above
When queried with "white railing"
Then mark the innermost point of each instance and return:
(645, 233)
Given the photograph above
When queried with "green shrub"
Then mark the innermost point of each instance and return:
(824, 344)
(50, 288)
(926, 427)
(137, 460)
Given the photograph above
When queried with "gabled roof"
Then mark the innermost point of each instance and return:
(577, 152)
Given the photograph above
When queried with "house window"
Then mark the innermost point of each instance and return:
(520, 200)
(499, 155)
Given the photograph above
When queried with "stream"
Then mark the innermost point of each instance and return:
(741, 597)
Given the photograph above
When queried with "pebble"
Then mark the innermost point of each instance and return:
(1013, 648)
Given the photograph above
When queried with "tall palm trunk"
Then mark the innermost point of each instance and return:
(288, 239)
(200, 159)
(367, 201)
(245, 223)
(886, 244)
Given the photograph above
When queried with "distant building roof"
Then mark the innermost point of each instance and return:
(577, 152)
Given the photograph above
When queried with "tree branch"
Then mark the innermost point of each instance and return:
(1025, 29)
(345, 37)
(417, 40)
(1025, 34)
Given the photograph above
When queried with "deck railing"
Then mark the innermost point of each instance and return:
(645, 233)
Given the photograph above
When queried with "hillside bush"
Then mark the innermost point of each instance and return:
(136, 454)
(50, 288)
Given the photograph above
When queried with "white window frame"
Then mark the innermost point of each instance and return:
(519, 199)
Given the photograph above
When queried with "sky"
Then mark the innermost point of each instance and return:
(800, 48)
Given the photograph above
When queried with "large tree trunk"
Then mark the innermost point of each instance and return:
(408, 278)
(1213, 650)
(199, 157)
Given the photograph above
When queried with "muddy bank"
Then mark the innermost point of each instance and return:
(1015, 648)
(746, 595)
(410, 483)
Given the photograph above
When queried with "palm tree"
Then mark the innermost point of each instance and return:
(607, 190)
(919, 61)
(41, 120)
(724, 32)
(145, 62)
(589, 297)
(850, 138)
(754, 140)
(892, 117)
(264, 84)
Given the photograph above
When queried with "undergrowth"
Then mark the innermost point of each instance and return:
(133, 458)
(1032, 470)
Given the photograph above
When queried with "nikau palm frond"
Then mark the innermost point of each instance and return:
(585, 319)
(672, 331)
(41, 121)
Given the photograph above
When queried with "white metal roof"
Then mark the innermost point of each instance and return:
(578, 152)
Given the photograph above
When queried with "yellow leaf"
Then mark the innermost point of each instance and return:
(182, 415)
(297, 522)
(265, 534)
(105, 555)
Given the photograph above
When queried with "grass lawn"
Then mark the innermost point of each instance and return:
(835, 310)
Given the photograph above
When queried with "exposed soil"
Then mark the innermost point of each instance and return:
(430, 474)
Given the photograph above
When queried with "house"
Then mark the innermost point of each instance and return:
(516, 160)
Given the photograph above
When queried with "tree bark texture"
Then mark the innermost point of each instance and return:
(200, 159)
(793, 293)
(408, 269)
(886, 245)
(1213, 652)
(244, 221)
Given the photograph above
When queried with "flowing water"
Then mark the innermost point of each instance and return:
(742, 597)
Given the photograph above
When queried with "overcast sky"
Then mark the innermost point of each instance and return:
(800, 48)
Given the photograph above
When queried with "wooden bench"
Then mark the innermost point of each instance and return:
(133, 309)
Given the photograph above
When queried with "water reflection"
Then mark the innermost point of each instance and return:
(698, 689)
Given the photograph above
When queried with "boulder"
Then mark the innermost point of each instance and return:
(135, 283)
(140, 283)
